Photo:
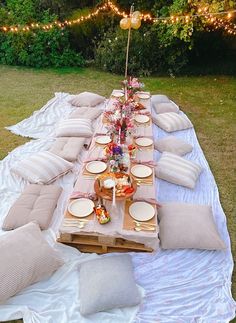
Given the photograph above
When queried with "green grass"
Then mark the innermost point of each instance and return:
(209, 101)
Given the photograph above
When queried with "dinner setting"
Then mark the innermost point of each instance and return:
(110, 211)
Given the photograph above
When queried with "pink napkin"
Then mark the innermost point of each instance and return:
(94, 159)
(147, 163)
(78, 194)
(148, 200)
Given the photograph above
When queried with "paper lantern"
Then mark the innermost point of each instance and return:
(125, 23)
(135, 23)
(136, 14)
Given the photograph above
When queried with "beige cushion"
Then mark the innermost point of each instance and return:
(26, 258)
(36, 203)
(177, 170)
(68, 148)
(74, 128)
(174, 145)
(188, 226)
(171, 121)
(165, 107)
(85, 113)
(160, 98)
(87, 99)
(42, 168)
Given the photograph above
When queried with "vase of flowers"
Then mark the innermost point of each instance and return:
(131, 86)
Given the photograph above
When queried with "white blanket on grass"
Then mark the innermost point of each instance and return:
(184, 286)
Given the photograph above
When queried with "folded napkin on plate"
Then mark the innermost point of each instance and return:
(147, 163)
(148, 200)
(78, 194)
(146, 113)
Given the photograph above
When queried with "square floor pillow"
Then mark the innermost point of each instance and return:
(87, 99)
(68, 148)
(26, 258)
(160, 98)
(177, 170)
(107, 283)
(174, 145)
(86, 113)
(184, 226)
(36, 203)
(171, 121)
(164, 107)
(74, 128)
(42, 168)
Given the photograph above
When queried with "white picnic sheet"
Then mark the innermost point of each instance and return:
(184, 286)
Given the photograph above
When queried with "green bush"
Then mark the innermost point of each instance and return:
(150, 52)
(39, 49)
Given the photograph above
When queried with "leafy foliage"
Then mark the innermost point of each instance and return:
(39, 48)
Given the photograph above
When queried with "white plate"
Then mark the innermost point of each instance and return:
(96, 167)
(144, 142)
(117, 94)
(81, 207)
(143, 96)
(141, 171)
(103, 140)
(141, 211)
(141, 118)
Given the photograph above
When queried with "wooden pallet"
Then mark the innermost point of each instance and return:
(101, 244)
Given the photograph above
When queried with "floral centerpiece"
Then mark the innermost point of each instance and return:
(114, 155)
(131, 86)
(120, 120)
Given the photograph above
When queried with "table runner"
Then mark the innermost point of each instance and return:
(185, 286)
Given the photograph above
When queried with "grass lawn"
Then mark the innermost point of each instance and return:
(210, 102)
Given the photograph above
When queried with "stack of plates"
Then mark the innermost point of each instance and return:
(81, 207)
(103, 140)
(141, 118)
(144, 142)
(141, 171)
(141, 211)
(96, 167)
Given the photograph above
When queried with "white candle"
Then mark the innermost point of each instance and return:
(114, 194)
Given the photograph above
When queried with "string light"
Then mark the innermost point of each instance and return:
(210, 19)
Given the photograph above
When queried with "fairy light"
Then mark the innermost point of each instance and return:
(210, 19)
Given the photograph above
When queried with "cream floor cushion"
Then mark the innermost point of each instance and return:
(160, 98)
(68, 148)
(174, 145)
(42, 168)
(26, 258)
(86, 113)
(171, 121)
(36, 203)
(177, 170)
(74, 128)
(164, 107)
(87, 99)
(185, 226)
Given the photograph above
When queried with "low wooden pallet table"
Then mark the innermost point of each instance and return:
(101, 244)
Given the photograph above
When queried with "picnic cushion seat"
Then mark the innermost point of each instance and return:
(74, 128)
(174, 145)
(177, 170)
(26, 258)
(42, 168)
(36, 203)
(188, 226)
(160, 98)
(107, 283)
(171, 121)
(68, 148)
(164, 107)
(85, 113)
(87, 99)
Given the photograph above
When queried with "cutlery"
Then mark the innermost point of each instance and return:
(138, 229)
(74, 225)
(144, 224)
(141, 222)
